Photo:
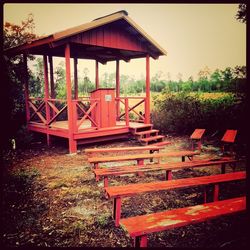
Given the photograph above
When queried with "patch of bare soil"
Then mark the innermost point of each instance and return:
(51, 198)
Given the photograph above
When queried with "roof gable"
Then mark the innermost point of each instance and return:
(124, 33)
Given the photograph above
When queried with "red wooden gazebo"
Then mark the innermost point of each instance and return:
(104, 115)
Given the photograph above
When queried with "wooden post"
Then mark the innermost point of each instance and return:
(117, 88)
(52, 83)
(147, 101)
(126, 112)
(72, 142)
(117, 210)
(46, 95)
(96, 75)
(26, 87)
(75, 79)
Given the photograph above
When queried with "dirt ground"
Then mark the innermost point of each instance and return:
(51, 199)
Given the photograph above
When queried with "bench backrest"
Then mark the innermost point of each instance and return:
(133, 189)
(229, 136)
(197, 134)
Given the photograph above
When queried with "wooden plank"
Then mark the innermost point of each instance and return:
(229, 136)
(121, 149)
(141, 225)
(141, 156)
(152, 138)
(197, 134)
(133, 189)
(120, 170)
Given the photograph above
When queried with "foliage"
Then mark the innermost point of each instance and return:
(14, 35)
(242, 13)
(182, 112)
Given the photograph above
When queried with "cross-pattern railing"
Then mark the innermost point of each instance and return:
(131, 109)
(83, 107)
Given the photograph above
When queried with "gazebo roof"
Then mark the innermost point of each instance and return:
(112, 37)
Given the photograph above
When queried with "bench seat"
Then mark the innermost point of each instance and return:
(141, 157)
(119, 192)
(138, 227)
(168, 167)
(122, 149)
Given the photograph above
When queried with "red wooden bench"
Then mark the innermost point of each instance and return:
(140, 226)
(141, 157)
(151, 149)
(119, 192)
(228, 140)
(168, 167)
(196, 137)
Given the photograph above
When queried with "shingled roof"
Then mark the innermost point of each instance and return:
(111, 37)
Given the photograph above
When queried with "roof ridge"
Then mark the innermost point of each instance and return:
(120, 11)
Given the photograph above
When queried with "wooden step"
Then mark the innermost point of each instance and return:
(147, 132)
(143, 127)
(152, 138)
(162, 143)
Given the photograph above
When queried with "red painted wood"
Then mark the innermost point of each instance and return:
(72, 142)
(46, 95)
(169, 175)
(145, 224)
(126, 112)
(117, 87)
(122, 149)
(141, 156)
(133, 189)
(26, 87)
(111, 37)
(229, 136)
(197, 134)
(120, 170)
(96, 75)
(75, 79)
(147, 101)
(104, 114)
(117, 211)
(216, 192)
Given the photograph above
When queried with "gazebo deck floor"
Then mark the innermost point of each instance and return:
(85, 131)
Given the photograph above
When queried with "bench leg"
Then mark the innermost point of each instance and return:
(106, 183)
(117, 210)
(169, 175)
(183, 158)
(140, 162)
(216, 192)
(141, 241)
(205, 194)
(223, 168)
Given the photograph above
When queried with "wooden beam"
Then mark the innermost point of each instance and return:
(96, 75)
(46, 95)
(147, 101)
(75, 79)
(52, 84)
(26, 87)
(72, 142)
(117, 88)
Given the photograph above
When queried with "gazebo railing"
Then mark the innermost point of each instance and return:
(83, 107)
(132, 109)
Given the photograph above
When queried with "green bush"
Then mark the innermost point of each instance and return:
(180, 113)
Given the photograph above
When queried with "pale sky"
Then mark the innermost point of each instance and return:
(194, 35)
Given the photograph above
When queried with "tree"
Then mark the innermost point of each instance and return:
(242, 13)
(14, 35)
